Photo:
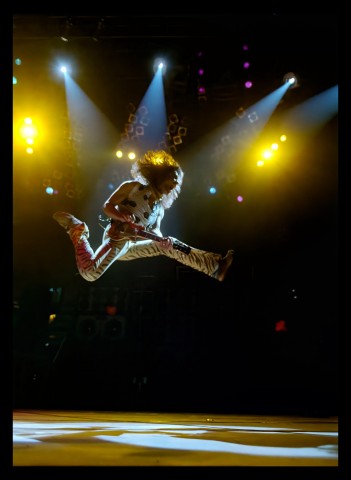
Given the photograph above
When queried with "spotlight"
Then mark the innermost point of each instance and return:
(160, 66)
(291, 78)
(63, 69)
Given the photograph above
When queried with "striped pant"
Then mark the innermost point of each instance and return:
(91, 265)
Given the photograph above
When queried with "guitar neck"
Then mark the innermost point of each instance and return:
(152, 236)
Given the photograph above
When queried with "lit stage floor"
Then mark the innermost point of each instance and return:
(95, 438)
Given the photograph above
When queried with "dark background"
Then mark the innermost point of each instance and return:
(177, 340)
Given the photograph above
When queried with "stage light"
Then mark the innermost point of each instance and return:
(65, 29)
(173, 128)
(267, 154)
(145, 121)
(240, 113)
(173, 118)
(28, 132)
(132, 118)
(253, 117)
(160, 66)
(142, 111)
(291, 78)
(139, 130)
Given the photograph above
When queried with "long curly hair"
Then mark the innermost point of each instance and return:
(154, 167)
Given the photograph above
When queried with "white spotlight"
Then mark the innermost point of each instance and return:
(291, 78)
(160, 65)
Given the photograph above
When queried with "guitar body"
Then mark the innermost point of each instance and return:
(131, 231)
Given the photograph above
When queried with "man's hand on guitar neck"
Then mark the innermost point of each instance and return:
(166, 243)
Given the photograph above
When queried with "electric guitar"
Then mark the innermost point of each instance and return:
(128, 230)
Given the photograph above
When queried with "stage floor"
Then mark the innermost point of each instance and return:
(96, 438)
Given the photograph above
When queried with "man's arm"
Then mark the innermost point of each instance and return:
(111, 206)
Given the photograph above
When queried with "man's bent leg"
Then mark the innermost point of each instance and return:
(92, 265)
(212, 264)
